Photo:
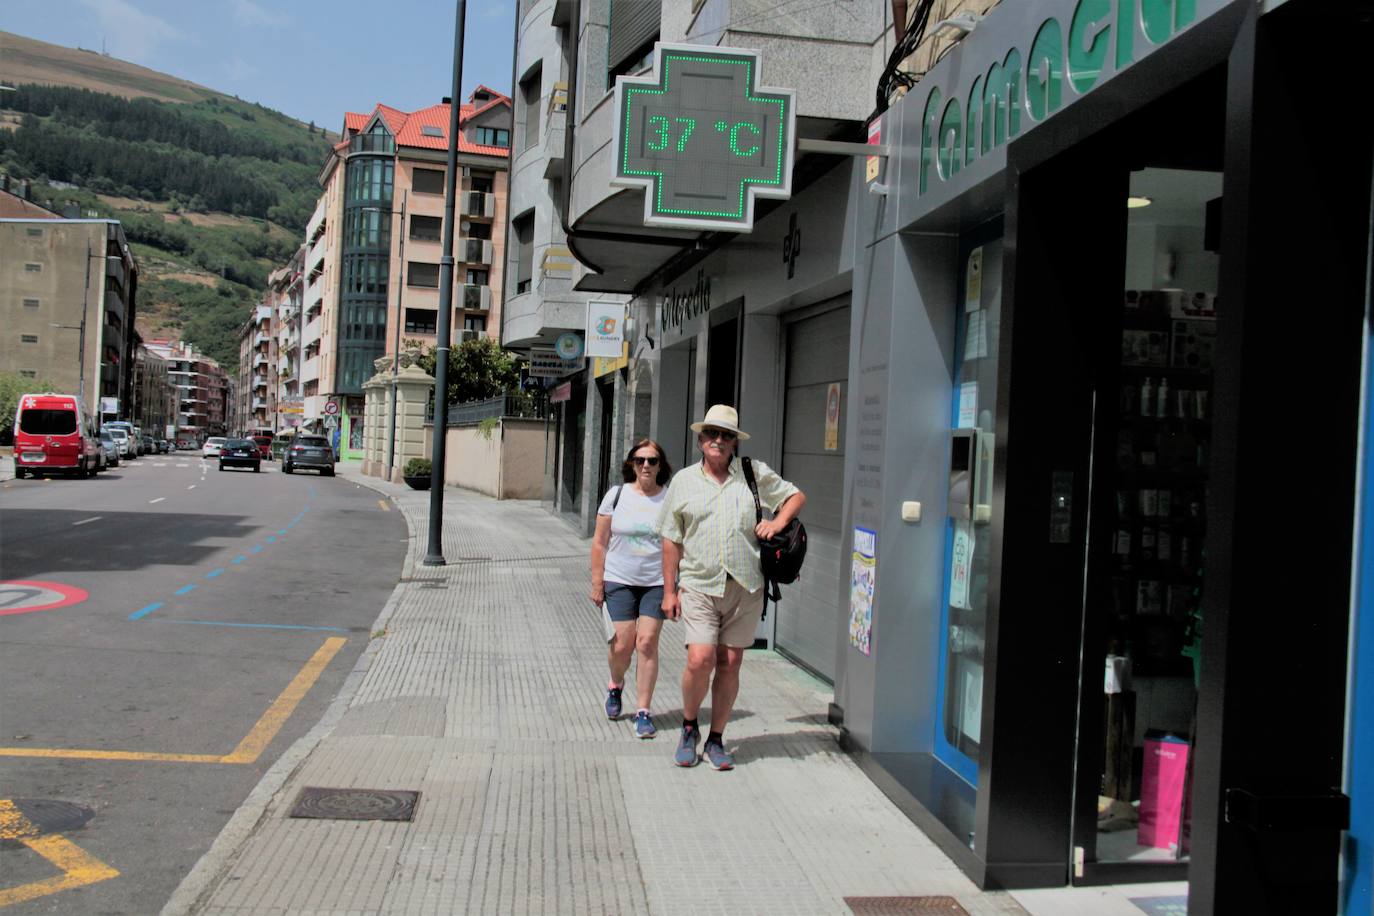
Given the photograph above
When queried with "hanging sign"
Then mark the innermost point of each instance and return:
(562, 393)
(703, 138)
(568, 346)
(605, 328)
(546, 363)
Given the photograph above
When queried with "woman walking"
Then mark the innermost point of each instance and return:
(627, 576)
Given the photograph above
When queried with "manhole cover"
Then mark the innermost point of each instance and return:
(356, 804)
(39, 817)
(905, 906)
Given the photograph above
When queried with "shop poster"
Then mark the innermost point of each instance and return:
(959, 564)
(976, 337)
(832, 417)
(863, 575)
(973, 281)
(968, 405)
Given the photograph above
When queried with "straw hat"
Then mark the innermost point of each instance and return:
(721, 416)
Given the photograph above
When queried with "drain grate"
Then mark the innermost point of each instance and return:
(356, 804)
(905, 906)
(31, 817)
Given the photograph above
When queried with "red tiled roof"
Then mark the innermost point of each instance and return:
(407, 128)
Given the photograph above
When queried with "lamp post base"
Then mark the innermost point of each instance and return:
(433, 560)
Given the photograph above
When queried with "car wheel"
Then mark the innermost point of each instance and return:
(20, 473)
(329, 472)
(221, 465)
(257, 468)
(285, 468)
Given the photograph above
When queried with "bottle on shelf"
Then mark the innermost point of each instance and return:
(1162, 399)
(1147, 397)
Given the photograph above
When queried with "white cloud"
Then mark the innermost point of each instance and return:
(130, 33)
(249, 14)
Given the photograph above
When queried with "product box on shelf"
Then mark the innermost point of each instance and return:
(1162, 787)
(1144, 348)
(1194, 341)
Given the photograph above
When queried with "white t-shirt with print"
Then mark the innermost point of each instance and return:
(635, 556)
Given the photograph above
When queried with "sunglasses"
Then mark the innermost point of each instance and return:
(723, 435)
(651, 462)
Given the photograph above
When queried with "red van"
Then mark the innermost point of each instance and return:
(52, 433)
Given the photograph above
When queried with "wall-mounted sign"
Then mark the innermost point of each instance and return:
(568, 346)
(682, 304)
(546, 363)
(605, 328)
(109, 405)
(562, 393)
(703, 138)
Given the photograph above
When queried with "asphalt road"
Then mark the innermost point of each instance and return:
(222, 613)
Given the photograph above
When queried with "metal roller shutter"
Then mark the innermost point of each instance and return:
(634, 23)
(817, 357)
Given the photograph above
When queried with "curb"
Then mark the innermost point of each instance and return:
(201, 881)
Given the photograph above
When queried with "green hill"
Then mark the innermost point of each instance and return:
(213, 191)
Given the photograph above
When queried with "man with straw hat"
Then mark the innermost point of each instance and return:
(712, 579)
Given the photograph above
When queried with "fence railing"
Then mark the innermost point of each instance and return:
(519, 405)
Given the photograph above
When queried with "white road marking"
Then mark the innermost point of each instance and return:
(191, 487)
(158, 500)
(183, 465)
(86, 521)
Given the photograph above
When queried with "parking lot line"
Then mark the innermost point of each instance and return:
(247, 751)
(78, 867)
(145, 611)
(87, 521)
(158, 500)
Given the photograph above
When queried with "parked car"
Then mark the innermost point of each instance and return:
(149, 445)
(212, 446)
(239, 453)
(121, 440)
(264, 446)
(110, 447)
(128, 429)
(52, 434)
(309, 453)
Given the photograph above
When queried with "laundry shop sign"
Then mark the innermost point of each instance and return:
(1009, 88)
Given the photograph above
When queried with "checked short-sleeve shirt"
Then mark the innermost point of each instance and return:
(714, 523)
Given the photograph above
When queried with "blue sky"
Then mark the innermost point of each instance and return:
(310, 59)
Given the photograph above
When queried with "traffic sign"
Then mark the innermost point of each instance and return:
(331, 408)
(330, 421)
(703, 138)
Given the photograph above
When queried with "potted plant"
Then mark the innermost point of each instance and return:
(416, 473)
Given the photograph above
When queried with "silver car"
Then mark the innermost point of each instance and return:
(110, 447)
(123, 441)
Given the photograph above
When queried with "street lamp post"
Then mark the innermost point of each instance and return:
(434, 555)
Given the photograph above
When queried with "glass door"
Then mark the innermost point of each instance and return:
(963, 624)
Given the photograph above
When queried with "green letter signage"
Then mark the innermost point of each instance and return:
(703, 138)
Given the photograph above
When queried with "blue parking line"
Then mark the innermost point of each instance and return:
(240, 558)
(185, 588)
(270, 539)
(256, 548)
(282, 531)
(145, 611)
(215, 572)
(254, 626)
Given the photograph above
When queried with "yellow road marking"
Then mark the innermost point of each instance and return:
(248, 750)
(385, 507)
(79, 868)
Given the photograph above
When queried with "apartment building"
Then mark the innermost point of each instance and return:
(154, 405)
(373, 245)
(288, 287)
(203, 391)
(68, 299)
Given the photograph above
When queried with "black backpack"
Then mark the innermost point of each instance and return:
(781, 555)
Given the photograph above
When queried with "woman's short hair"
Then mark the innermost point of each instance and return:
(627, 469)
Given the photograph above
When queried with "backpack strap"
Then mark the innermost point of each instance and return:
(770, 589)
(616, 501)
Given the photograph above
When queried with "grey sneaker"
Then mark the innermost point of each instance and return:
(644, 726)
(719, 757)
(613, 707)
(686, 755)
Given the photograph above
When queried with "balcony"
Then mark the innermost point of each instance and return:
(261, 338)
(311, 332)
(262, 313)
(372, 143)
(474, 251)
(259, 382)
(310, 369)
(259, 403)
(555, 123)
(478, 203)
(474, 298)
(259, 359)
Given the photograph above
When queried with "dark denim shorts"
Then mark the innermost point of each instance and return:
(630, 602)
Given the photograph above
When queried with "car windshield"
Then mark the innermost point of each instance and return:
(117, 433)
(214, 440)
(106, 437)
(313, 442)
(48, 422)
(240, 443)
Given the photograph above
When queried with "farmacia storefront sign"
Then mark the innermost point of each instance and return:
(1063, 58)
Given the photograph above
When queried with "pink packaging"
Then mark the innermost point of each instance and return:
(1162, 786)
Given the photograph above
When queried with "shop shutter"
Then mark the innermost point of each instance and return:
(634, 23)
(817, 357)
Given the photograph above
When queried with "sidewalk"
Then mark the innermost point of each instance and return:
(485, 695)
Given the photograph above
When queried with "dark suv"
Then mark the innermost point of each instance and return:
(309, 453)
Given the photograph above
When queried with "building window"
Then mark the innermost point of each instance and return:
(33, 268)
(421, 321)
(370, 178)
(33, 233)
(425, 228)
(28, 338)
(29, 373)
(630, 44)
(427, 181)
(477, 231)
(524, 251)
(477, 277)
(367, 227)
(491, 136)
(530, 93)
(419, 273)
(482, 181)
(476, 323)
(30, 303)
(430, 130)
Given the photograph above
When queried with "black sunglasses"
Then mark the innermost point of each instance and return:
(723, 434)
(651, 462)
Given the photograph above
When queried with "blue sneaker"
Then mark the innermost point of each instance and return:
(613, 707)
(686, 755)
(644, 726)
(719, 757)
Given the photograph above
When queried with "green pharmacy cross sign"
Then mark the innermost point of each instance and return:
(702, 138)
